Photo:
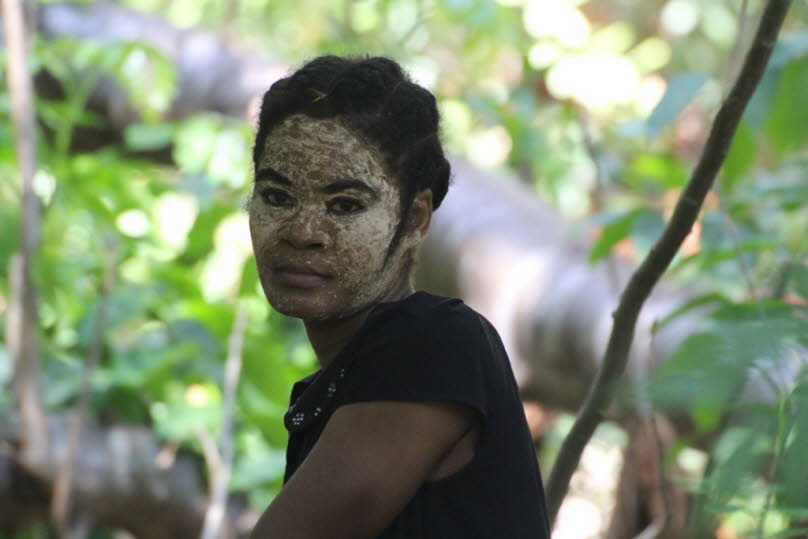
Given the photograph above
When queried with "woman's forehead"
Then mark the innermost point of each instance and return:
(302, 143)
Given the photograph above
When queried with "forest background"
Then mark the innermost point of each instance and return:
(573, 127)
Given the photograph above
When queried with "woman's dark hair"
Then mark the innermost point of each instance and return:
(377, 99)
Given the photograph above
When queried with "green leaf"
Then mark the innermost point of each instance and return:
(698, 377)
(128, 403)
(798, 279)
(126, 303)
(709, 368)
(667, 171)
(646, 230)
(195, 140)
(200, 239)
(176, 280)
(681, 90)
(265, 367)
(793, 533)
(61, 377)
(191, 330)
(181, 422)
(612, 233)
(262, 412)
(231, 158)
(793, 476)
(255, 470)
(741, 155)
(712, 298)
(145, 137)
(737, 454)
(10, 235)
(710, 258)
(753, 339)
(249, 278)
(788, 124)
(147, 76)
(789, 197)
(791, 45)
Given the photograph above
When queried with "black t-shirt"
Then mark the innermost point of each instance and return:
(431, 348)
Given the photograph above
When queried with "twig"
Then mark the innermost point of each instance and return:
(780, 436)
(737, 46)
(652, 531)
(221, 461)
(231, 14)
(649, 416)
(740, 256)
(785, 274)
(210, 451)
(23, 317)
(659, 258)
(419, 19)
(61, 502)
(599, 191)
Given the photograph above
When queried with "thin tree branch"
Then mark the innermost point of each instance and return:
(783, 427)
(740, 256)
(221, 471)
(599, 190)
(22, 337)
(659, 258)
(648, 416)
(229, 24)
(737, 46)
(61, 504)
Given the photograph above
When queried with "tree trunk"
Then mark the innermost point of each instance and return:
(123, 478)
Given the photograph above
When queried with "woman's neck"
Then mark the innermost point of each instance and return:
(329, 337)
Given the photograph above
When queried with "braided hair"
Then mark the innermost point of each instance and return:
(376, 98)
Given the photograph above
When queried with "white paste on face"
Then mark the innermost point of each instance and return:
(343, 234)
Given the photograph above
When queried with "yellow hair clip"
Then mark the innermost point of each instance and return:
(319, 95)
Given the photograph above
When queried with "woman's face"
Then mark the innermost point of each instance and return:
(322, 216)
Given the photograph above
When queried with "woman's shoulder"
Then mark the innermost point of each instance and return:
(424, 310)
(431, 317)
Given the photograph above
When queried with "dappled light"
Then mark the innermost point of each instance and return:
(558, 20)
(133, 223)
(680, 17)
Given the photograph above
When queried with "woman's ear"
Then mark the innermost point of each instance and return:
(421, 213)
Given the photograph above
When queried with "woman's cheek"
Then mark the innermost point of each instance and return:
(361, 250)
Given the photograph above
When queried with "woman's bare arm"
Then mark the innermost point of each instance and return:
(368, 463)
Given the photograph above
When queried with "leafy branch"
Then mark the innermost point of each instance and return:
(659, 258)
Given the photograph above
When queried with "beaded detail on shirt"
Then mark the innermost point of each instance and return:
(315, 399)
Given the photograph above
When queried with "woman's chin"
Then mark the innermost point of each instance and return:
(302, 305)
(296, 310)
(316, 308)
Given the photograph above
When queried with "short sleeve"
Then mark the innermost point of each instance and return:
(419, 358)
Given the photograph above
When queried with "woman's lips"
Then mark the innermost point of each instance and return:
(300, 278)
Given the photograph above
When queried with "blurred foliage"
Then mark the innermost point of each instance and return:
(600, 106)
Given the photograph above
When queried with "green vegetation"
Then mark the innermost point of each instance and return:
(601, 107)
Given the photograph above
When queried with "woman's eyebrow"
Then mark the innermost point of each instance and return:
(345, 185)
(271, 175)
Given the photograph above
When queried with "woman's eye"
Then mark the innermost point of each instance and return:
(274, 197)
(345, 206)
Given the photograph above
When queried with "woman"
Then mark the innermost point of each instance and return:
(413, 427)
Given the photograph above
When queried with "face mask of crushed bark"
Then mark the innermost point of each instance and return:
(322, 215)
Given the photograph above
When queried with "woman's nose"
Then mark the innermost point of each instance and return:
(306, 231)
